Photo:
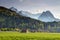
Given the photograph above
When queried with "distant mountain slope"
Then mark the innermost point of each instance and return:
(25, 13)
(47, 17)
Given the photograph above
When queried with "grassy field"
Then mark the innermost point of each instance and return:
(29, 36)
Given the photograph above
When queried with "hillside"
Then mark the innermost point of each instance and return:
(10, 19)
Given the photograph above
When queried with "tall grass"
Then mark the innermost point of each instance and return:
(29, 36)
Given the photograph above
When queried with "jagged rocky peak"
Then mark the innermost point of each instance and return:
(13, 9)
(47, 13)
(47, 17)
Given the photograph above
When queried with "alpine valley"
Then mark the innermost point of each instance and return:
(12, 19)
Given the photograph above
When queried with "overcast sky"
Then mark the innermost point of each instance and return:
(34, 6)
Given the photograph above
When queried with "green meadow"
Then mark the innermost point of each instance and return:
(29, 36)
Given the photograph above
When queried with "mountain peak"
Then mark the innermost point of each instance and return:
(48, 11)
(47, 17)
(14, 9)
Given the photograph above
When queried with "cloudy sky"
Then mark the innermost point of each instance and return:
(34, 6)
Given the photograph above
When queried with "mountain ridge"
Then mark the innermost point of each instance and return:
(47, 16)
